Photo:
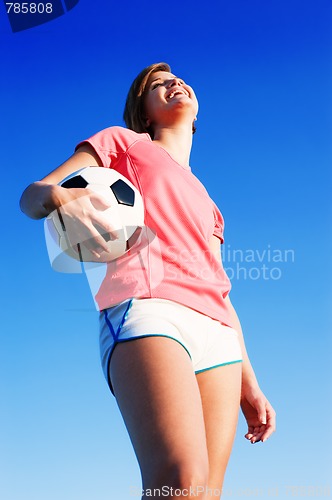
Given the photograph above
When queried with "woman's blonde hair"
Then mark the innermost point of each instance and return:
(134, 112)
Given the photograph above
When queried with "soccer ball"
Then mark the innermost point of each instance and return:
(126, 214)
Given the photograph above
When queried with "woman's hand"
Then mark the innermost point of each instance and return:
(258, 412)
(82, 214)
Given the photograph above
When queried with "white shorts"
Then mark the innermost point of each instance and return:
(208, 343)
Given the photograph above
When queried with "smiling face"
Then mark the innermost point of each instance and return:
(168, 99)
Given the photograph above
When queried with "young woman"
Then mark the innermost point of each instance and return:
(172, 347)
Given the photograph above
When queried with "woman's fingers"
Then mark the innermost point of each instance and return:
(254, 434)
(107, 223)
(95, 243)
(270, 427)
(89, 220)
(264, 431)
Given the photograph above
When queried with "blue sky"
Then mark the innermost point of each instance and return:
(262, 74)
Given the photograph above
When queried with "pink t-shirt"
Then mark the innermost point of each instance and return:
(175, 262)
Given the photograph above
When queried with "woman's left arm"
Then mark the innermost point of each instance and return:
(257, 410)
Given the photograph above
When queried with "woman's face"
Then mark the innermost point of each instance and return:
(168, 97)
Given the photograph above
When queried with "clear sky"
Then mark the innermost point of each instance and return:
(262, 73)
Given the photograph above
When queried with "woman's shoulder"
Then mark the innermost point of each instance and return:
(120, 136)
(114, 140)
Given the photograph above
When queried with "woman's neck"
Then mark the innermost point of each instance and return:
(176, 141)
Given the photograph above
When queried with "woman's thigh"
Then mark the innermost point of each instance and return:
(220, 390)
(157, 393)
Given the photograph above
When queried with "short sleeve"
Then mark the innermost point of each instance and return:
(218, 223)
(112, 142)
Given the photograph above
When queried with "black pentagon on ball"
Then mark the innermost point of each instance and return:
(75, 182)
(123, 193)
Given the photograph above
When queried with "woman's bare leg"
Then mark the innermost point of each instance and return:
(158, 396)
(220, 390)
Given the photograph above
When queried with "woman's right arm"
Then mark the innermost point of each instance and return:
(81, 210)
(42, 197)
